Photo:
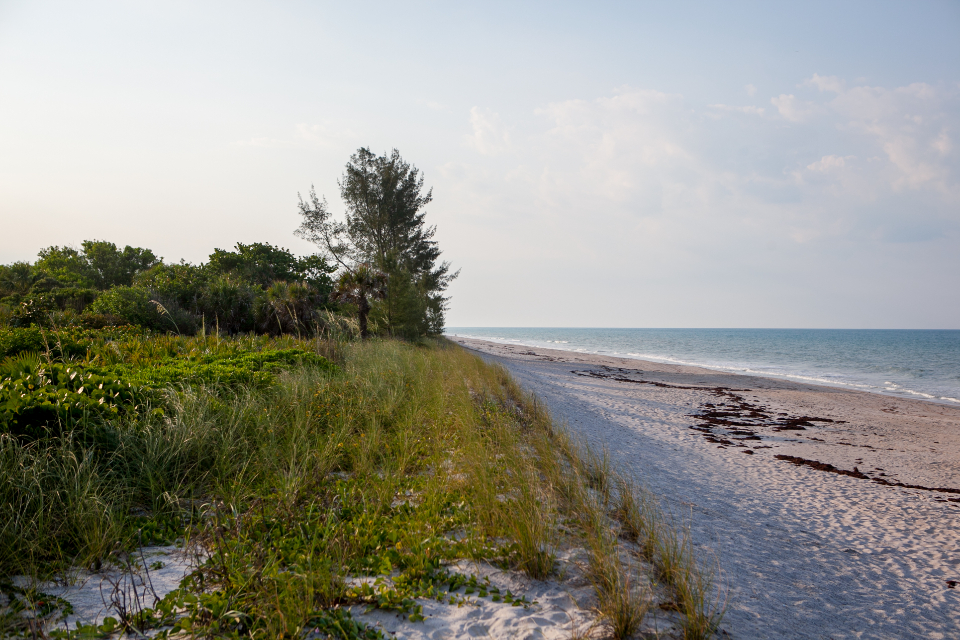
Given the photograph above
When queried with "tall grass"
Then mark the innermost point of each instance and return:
(365, 471)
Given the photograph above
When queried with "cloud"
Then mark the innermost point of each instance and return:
(829, 163)
(629, 146)
(793, 109)
(858, 164)
(324, 135)
(912, 126)
(825, 83)
(489, 136)
(749, 110)
(751, 90)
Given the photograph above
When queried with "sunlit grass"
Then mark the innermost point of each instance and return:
(369, 470)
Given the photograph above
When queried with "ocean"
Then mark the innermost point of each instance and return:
(905, 363)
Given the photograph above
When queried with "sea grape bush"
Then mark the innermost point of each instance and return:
(41, 403)
(257, 368)
(39, 399)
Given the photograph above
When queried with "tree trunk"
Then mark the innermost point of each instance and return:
(364, 308)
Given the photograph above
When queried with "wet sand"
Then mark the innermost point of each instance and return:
(830, 513)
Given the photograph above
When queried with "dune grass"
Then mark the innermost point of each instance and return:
(406, 458)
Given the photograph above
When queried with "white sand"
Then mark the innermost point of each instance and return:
(554, 616)
(560, 608)
(92, 594)
(805, 553)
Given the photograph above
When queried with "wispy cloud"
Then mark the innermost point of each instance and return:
(489, 136)
(649, 159)
(748, 109)
(793, 109)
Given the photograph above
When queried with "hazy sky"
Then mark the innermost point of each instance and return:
(669, 164)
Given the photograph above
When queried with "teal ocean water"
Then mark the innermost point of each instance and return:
(906, 363)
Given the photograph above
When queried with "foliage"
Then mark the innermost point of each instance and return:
(99, 264)
(255, 368)
(287, 307)
(71, 343)
(228, 302)
(385, 229)
(135, 305)
(41, 396)
(111, 267)
(52, 397)
(66, 265)
(258, 287)
(263, 264)
(326, 488)
(359, 286)
(174, 284)
(17, 279)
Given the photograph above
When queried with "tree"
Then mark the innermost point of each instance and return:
(17, 279)
(384, 230)
(100, 264)
(359, 286)
(263, 264)
(111, 267)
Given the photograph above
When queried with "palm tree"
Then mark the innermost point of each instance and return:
(287, 307)
(358, 286)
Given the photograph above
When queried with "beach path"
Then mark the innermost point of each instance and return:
(852, 532)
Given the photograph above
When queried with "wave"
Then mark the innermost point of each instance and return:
(888, 387)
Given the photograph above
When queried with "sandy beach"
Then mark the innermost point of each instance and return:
(830, 513)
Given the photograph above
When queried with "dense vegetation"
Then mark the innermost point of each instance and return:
(235, 404)
(379, 265)
(311, 463)
(255, 288)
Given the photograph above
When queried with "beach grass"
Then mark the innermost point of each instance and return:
(407, 457)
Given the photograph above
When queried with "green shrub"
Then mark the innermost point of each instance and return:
(257, 368)
(59, 344)
(89, 320)
(181, 283)
(17, 340)
(228, 304)
(53, 397)
(130, 303)
(34, 310)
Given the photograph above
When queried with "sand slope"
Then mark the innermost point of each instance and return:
(805, 551)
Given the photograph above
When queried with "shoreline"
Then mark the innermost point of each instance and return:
(904, 393)
(842, 519)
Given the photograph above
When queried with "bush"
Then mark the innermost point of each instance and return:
(228, 303)
(34, 311)
(287, 307)
(256, 368)
(38, 398)
(89, 320)
(17, 340)
(61, 344)
(181, 283)
(54, 396)
(135, 306)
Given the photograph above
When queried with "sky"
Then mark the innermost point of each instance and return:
(603, 164)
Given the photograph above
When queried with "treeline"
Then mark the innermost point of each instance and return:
(256, 287)
(379, 266)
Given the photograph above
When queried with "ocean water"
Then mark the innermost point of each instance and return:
(905, 363)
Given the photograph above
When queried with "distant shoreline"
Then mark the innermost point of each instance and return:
(886, 388)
